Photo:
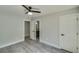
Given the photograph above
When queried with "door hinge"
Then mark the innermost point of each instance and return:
(76, 33)
(77, 48)
(77, 18)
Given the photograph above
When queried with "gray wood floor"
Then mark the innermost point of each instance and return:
(30, 46)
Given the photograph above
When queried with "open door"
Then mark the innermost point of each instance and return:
(33, 30)
(68, 32)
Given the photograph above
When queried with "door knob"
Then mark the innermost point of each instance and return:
(62, 34)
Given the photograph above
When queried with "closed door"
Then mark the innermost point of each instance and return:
(78, 32)
(68, 32)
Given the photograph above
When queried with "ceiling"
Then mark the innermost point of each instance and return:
(47, 9)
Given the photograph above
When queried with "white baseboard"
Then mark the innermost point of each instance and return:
(53, 45)
(11, 43)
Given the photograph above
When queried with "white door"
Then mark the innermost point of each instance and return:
(33, 30)
(78, 33)
(68, 32)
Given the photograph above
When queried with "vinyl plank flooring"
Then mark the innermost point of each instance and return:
(31, 46)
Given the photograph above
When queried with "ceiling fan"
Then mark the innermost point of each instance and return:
(30, 10)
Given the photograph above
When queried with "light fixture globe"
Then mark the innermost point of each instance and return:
(29, 13)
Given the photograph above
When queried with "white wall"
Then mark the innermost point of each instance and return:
(49, 27)
(49, 30)
(11, 25)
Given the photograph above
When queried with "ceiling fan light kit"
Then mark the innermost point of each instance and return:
(30, 13)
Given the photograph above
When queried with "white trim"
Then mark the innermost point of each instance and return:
(53, 45)
(11, 43)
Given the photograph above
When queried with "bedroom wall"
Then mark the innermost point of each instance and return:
(11, 25)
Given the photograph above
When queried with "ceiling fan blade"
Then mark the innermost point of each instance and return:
(35, 11)
(26, 7)
(35, 8)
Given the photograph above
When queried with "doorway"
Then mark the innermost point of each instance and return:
(27, 29)
(37, 31)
